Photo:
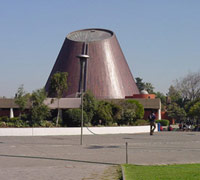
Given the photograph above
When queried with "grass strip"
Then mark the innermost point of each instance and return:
(162, 172)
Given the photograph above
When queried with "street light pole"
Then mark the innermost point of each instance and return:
(83, 59)
(81, 117)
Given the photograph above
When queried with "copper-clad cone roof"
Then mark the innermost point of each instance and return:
(108, 74)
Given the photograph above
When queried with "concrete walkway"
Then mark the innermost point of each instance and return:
(62, 157)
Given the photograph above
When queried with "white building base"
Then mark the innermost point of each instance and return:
(73, 131)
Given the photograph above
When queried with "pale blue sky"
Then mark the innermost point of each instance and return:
(160, 38)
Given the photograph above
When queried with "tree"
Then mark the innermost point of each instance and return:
(174, 94)
(149, 88)
(189, 105)
(195, 111)
(139, 109)
(128, 117)
(89, 105)
(58, 86)
(140, 84)
(189, 86)
(176, 112)
(162, 98)
(144, 85)
(72, 118)
(39, 111)
(131, 111)
(21, 99)
(103, 114)
(116, 112)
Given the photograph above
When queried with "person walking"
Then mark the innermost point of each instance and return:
(152, 118)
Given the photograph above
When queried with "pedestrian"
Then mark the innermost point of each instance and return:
(152, 118)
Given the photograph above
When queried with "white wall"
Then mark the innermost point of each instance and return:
(72, 131)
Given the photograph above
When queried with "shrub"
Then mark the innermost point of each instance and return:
(131, 111)
(103, 114)
(59, 120)
(139, 108)
(13, 120)
(47, 124)
(5, 118)
(141, 122)
(39, 111)
(163, 122)
(89, 105)
(72, 118)
(10, 124)
(128, 117)
(3, 124)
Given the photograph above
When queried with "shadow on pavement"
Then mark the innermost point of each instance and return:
(101, 147)
(56, 159)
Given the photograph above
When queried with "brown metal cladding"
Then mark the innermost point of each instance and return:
(108, 74)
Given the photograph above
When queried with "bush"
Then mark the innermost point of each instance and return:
(10, 124)
(3, 124)
(163, 122)
(131, 111)
(17, 122)
(5, 118)
(89, 105)
(47, 124)
(60, 121)
(139, 108)
(141, 122)
(13, 120)
(128, 117)
(103, 114)
(72, 118)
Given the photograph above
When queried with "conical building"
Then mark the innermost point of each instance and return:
(107, 74)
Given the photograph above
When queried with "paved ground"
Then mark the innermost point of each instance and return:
(62, 157)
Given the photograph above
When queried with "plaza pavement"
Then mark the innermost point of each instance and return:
(62, 157)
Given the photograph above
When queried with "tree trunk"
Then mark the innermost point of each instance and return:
(58, 115)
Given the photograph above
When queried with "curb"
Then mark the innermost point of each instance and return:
(123, 175)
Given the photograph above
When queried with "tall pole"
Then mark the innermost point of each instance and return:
(82, 84)
(81, 116)
(83, 58)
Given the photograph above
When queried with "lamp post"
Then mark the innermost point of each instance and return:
(82, 85)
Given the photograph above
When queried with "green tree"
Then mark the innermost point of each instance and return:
(131, 111)
(72, 118)
(140, 84)
(58, 86)
(139, 109)
(21, 99)
(116, 112)
(128, 117)
(176, 112)
(39, 111)
(162, 98)
(189, 105)
(103, 114)
(144, 85)
(89, 105)
(149, 88)
(174, 96)
(195, 111)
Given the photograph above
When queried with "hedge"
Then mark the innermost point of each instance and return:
(163, 122)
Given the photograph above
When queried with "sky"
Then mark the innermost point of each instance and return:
(159, 38)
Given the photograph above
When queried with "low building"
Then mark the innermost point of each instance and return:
(9, 108)
(149, 102)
